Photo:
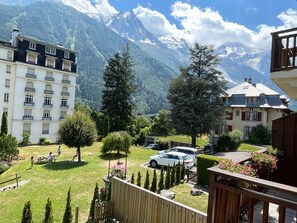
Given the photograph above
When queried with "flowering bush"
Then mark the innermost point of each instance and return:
(264, 161)
(237, 168)
(118, 171)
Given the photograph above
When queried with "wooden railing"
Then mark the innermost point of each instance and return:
(284, 50)
(235, 196)
(134, 204)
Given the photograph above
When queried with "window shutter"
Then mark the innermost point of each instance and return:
(229, 128)
(243, 115)
(231, 115)
(259, 116)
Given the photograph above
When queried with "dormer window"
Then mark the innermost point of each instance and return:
(252, 99)
(50, 50)
(50, 62)
(31, 58)
(32, 45)
(66, 66)
(66, 54)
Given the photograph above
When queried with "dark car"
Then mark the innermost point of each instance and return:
(153, 146)
(208, 149)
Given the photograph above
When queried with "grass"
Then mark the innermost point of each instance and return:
(248, 147)
(52, 180)
(187, 139)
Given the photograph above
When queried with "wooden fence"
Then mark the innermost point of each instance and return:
(133, 204)
(103, 211)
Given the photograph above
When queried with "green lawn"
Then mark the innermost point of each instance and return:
(53, 180)
(186, 139)
(248, 147)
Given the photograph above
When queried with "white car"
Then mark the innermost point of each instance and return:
(192, 152)
(171, 158)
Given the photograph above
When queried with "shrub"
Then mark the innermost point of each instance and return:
(161, 181)
(41, 140)
(236, 136)
(147, 181)
(26, 139)
(138, 179)
(154, 182)
(164, 144)
(177, 177)
(47, 142)
(3, 166)
(9, 148)
(228, 165)
(167, 178)
(48, 215)
(264, 161)
(230, 141)
(27, 213)
(203, 163)
(172, 175)
(260, 135)
(132, 179)
(117, 141)
(183, 171)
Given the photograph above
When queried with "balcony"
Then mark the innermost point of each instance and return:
(27, 117)
(61, 118)
(64, 106)
(29, 89)
(66, 81)
(46, 118)
(49, 79)
(46, 105)
(48, 92)
(31, 75)
(283, 70)
(30, 104)
(65, 93)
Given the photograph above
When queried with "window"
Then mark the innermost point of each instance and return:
(65, 77)
(246, 132)
(50, 62)
(237, 112)
(62, 114)
(49, 74)
(65, 89)
(45, 128)
(229, 115)
(29, 99)
(30, 70)
(6, 97)
(27, 128)
(29, 85)
(31, 58)
(252, 100)
(8, 69)
(64, 102)
(66, 54)
(9, 55)
(27, 113)
(7, 82)
(32, 45)
(46, 114)
(47, 100)
(48, 87)
(66, 66)
(251, 116)
(50, 50)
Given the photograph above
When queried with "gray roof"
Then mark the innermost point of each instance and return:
(251, 90)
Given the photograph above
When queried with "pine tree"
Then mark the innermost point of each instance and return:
(172, 175)
(139, 179)
(167, 179)
(68, 212)
(117, 94)
(183, 171)
(147, 181)
(132, 178)
(27, 214)
(106, 126)
(161, 181)
(48, 215)
(154, 182)
(177, 174)
(4, 128)
(95, 197)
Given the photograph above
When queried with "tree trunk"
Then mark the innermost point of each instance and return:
(78, 154)
(194, 140)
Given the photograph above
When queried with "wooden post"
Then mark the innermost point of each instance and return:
(95, 210)
(16, 179)
(211, 198)
(76, 214)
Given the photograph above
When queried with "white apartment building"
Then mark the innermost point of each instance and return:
(37, 89)
(250, 104)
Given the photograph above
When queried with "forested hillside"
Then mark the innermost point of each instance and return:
(95, 44)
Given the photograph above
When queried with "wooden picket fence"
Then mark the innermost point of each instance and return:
(103, 211)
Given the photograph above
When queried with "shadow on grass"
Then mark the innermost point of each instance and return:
(64, 165)
(112, 156)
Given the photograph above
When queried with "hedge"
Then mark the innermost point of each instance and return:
(203, 163)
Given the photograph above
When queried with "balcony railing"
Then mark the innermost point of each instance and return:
(48, 92)
(64, 106)
(47, 118)
(49, 79)
(65, 93)
(66, 81)
(62, 117)
(31, 75)
(27, 117)
(29, 89)
(235, 196)
(28, 103)
(284, 50)
(47, 105)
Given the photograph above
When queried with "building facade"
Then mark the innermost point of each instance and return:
(38, 83)
(250, 104)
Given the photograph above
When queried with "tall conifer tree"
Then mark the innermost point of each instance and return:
(4, 128)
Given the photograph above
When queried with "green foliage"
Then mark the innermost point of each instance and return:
(98, 118)
(117, 141)
(27, 213)
(183, 171)
(26, 138)
(161, 180)
(47, 142)
(95, 197)
(132, 179)
(154, 182)
(147, 181)
(172, 175)
(195, 95)
(167, 179)
(8, 148)
(230, 141)
(67, 218)
(3, 166)
(140, 138)
(78, 130)
(139, 128)
(41, 140)
(161, 123)
(275, 152)
(203, 163)
(106, 126)
(260, 135)
(138, 179)
(108, 196)
(164, 144)
(4, 128)
(264, 161)
(178, 171)
(48, 215)
(117, 94)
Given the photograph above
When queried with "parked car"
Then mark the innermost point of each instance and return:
(208, 149)
(192, 152)
(153, 146)
(170, 159)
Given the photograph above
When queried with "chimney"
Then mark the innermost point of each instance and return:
(245, 79)
(14, 37)
(250, 80)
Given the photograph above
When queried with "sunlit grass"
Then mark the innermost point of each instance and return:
(248, 147)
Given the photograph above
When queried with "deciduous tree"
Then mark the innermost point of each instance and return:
(117, 141)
